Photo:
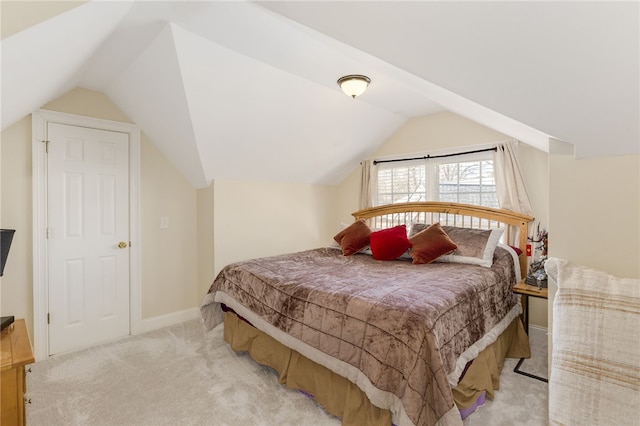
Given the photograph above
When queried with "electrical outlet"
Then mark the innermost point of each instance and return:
(164, 222)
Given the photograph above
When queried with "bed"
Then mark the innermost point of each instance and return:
(386, 332)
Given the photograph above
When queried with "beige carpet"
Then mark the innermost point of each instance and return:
(185, 375)
(521, 400)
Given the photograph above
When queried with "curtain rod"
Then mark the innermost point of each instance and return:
(434, 156)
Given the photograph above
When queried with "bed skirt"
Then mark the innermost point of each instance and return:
(344, 399)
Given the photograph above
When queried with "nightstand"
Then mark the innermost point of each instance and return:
(526, 290)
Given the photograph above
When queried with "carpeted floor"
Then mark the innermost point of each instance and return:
(186, 375)
(521, 400)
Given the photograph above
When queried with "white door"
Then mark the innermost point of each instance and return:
(87, 236)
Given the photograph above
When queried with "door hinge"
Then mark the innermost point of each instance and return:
(46, 146)
(48, 318)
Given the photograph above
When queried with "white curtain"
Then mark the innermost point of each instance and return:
(368, 183)
(510, 186)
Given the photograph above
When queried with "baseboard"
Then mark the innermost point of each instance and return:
(538, 330)
(150, 324)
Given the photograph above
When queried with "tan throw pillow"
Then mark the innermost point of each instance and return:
(429, 244)
(353, 238)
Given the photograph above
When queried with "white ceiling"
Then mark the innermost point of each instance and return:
(239, 90)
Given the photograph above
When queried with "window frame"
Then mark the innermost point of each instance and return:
(432, 180)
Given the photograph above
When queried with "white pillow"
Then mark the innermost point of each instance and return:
(475, 246)
(516, 260)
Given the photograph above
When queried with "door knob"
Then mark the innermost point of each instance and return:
(122, 244)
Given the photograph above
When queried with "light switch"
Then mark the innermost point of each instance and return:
(164, 222)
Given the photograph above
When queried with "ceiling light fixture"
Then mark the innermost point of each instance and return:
(354, 85)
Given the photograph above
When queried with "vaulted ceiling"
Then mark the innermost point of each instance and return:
(247, 90)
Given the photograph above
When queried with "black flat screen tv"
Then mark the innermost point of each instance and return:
(6, 236)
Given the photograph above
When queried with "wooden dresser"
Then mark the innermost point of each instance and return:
(16, 353)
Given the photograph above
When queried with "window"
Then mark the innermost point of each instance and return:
(400, 184)
(465, 179)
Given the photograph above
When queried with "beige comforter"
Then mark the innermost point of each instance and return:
(403, 326)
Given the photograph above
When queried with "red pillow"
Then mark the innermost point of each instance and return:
(517, 250)
(353, 238)
(430, 244)
(389, 244)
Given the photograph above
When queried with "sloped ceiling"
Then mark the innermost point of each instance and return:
(241, 90)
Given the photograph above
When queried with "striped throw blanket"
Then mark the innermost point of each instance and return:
(595, 369)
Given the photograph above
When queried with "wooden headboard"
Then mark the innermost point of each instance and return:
(452, 214)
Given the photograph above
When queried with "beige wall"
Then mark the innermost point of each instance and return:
(19, 15)
(594, 212)
(440, 131)
(206, 238)
(535, 168)
(15, 289)
(445, 131)
(88, 103)
(254, 219)
(169, 257)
